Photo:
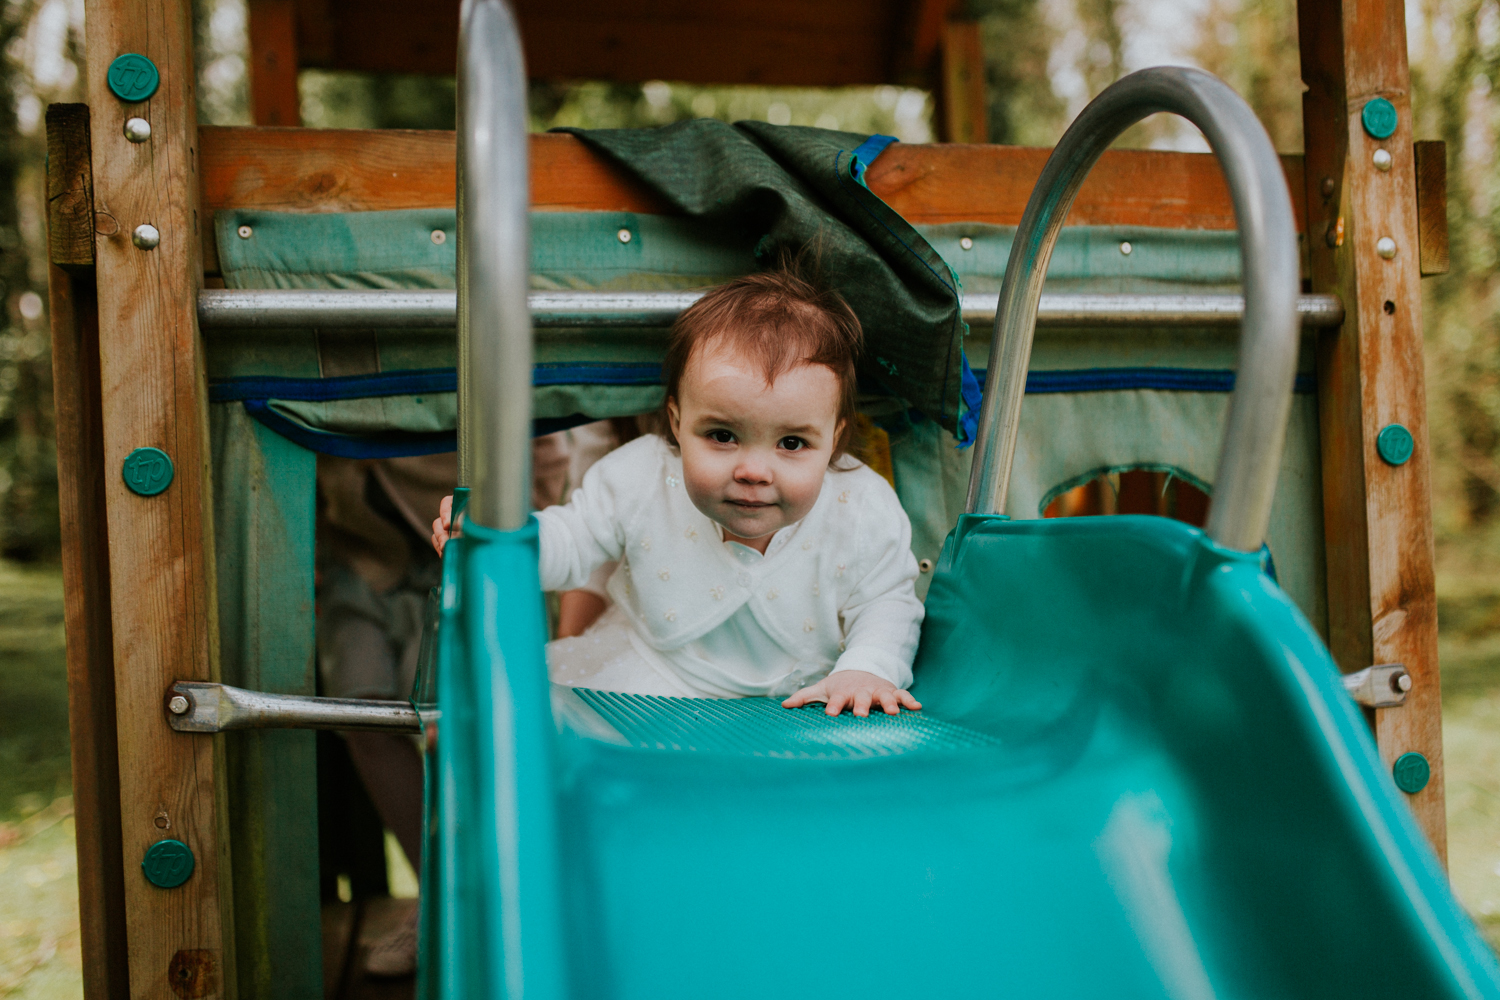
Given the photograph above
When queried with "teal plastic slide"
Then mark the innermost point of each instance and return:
(1136, 774)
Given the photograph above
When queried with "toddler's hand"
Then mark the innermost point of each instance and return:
(854, 689)
(443, 526)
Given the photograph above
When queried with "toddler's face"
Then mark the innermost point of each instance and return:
(753, 455)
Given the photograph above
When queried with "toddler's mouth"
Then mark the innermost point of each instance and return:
(748, 504)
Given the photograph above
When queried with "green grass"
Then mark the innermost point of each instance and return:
(34, 765)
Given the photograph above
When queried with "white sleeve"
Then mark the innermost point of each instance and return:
(883, 618)
(578, 537)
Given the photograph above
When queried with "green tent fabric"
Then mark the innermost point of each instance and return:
(786, 187)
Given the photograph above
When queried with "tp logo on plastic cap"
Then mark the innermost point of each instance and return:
(133, 77)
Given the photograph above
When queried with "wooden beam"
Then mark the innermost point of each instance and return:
(161, 576)
(70, 188)
(85, 553)
(1377, 516)
(962, 115)
(273, 63)
(1432, 205)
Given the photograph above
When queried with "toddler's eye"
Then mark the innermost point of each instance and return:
(721, 436)
(793, 444)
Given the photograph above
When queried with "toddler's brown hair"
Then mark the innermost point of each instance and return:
(778, 319)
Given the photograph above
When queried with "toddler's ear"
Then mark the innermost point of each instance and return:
(674, 417)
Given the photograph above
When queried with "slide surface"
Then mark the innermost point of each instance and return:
(1136, 775)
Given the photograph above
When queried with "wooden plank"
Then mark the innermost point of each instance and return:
(766, 42)
(962, 117)
(86, 610)
(1377, 517)
(70, 187)
(356, 170)
(273, 63)
(160, 547)
(1432, 205)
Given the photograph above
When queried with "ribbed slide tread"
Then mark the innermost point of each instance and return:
(760, 727)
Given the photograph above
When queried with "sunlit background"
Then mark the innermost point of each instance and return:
(1044, 60)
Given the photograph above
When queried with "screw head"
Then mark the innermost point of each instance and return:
(245, 232)
(1382, 160)
(439, 237)
(137, 129)
(146, 236)
(624, 235)
(1329, 187)
(1395, 444)
(178, 705)
(1126, 248)
(966, 243)
(1401, 682)
(1386, 247)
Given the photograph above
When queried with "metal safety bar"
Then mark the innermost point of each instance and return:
(282, 308)
(200, 707)
(1245, 480)
(494, 268)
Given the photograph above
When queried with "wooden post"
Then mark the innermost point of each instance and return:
(962, 115)
(85, 550)
(162, 591)
(1382, 606)
(273, 63)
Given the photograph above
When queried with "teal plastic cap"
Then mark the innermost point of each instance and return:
(1379, 118)
(147, 471)
(133, 77)
(1412, 772)
(1395, 444)
(168, 863)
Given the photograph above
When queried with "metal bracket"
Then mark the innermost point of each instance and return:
(199, 707)
(1381, 686)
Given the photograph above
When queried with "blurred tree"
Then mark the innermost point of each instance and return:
(1252, 45)
(1024, 109)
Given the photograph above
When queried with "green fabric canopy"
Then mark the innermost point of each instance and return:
(788, 187)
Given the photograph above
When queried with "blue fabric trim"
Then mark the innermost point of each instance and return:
(867, 152)
(392, 445)
(409, 383)
(973, 397)
(1163, 379)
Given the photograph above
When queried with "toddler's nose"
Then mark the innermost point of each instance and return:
(752, 472)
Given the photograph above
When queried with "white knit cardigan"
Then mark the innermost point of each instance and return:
(837, 593)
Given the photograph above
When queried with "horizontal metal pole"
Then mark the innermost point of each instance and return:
(198, 707)
(282, 308)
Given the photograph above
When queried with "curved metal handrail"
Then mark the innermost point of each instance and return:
(494, 260)
(1245, 481)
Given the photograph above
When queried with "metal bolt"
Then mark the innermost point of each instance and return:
(1125, 248)
(966, 243)
(178, 705)
(146, 236)
(244, 232)
(1382, 160)
(624, 235)
(1401, 682)
(439, 237)
(137, 129)
(925, 565)
(1329, 187)
(1386, 247)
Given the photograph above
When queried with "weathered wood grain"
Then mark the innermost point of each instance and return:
(1432, 205)
(86, 615)
(70, 187)
(163, 607)
(1377, 517)
(352, 170)
(273, 63)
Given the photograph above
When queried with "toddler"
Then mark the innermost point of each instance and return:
(756, 557)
